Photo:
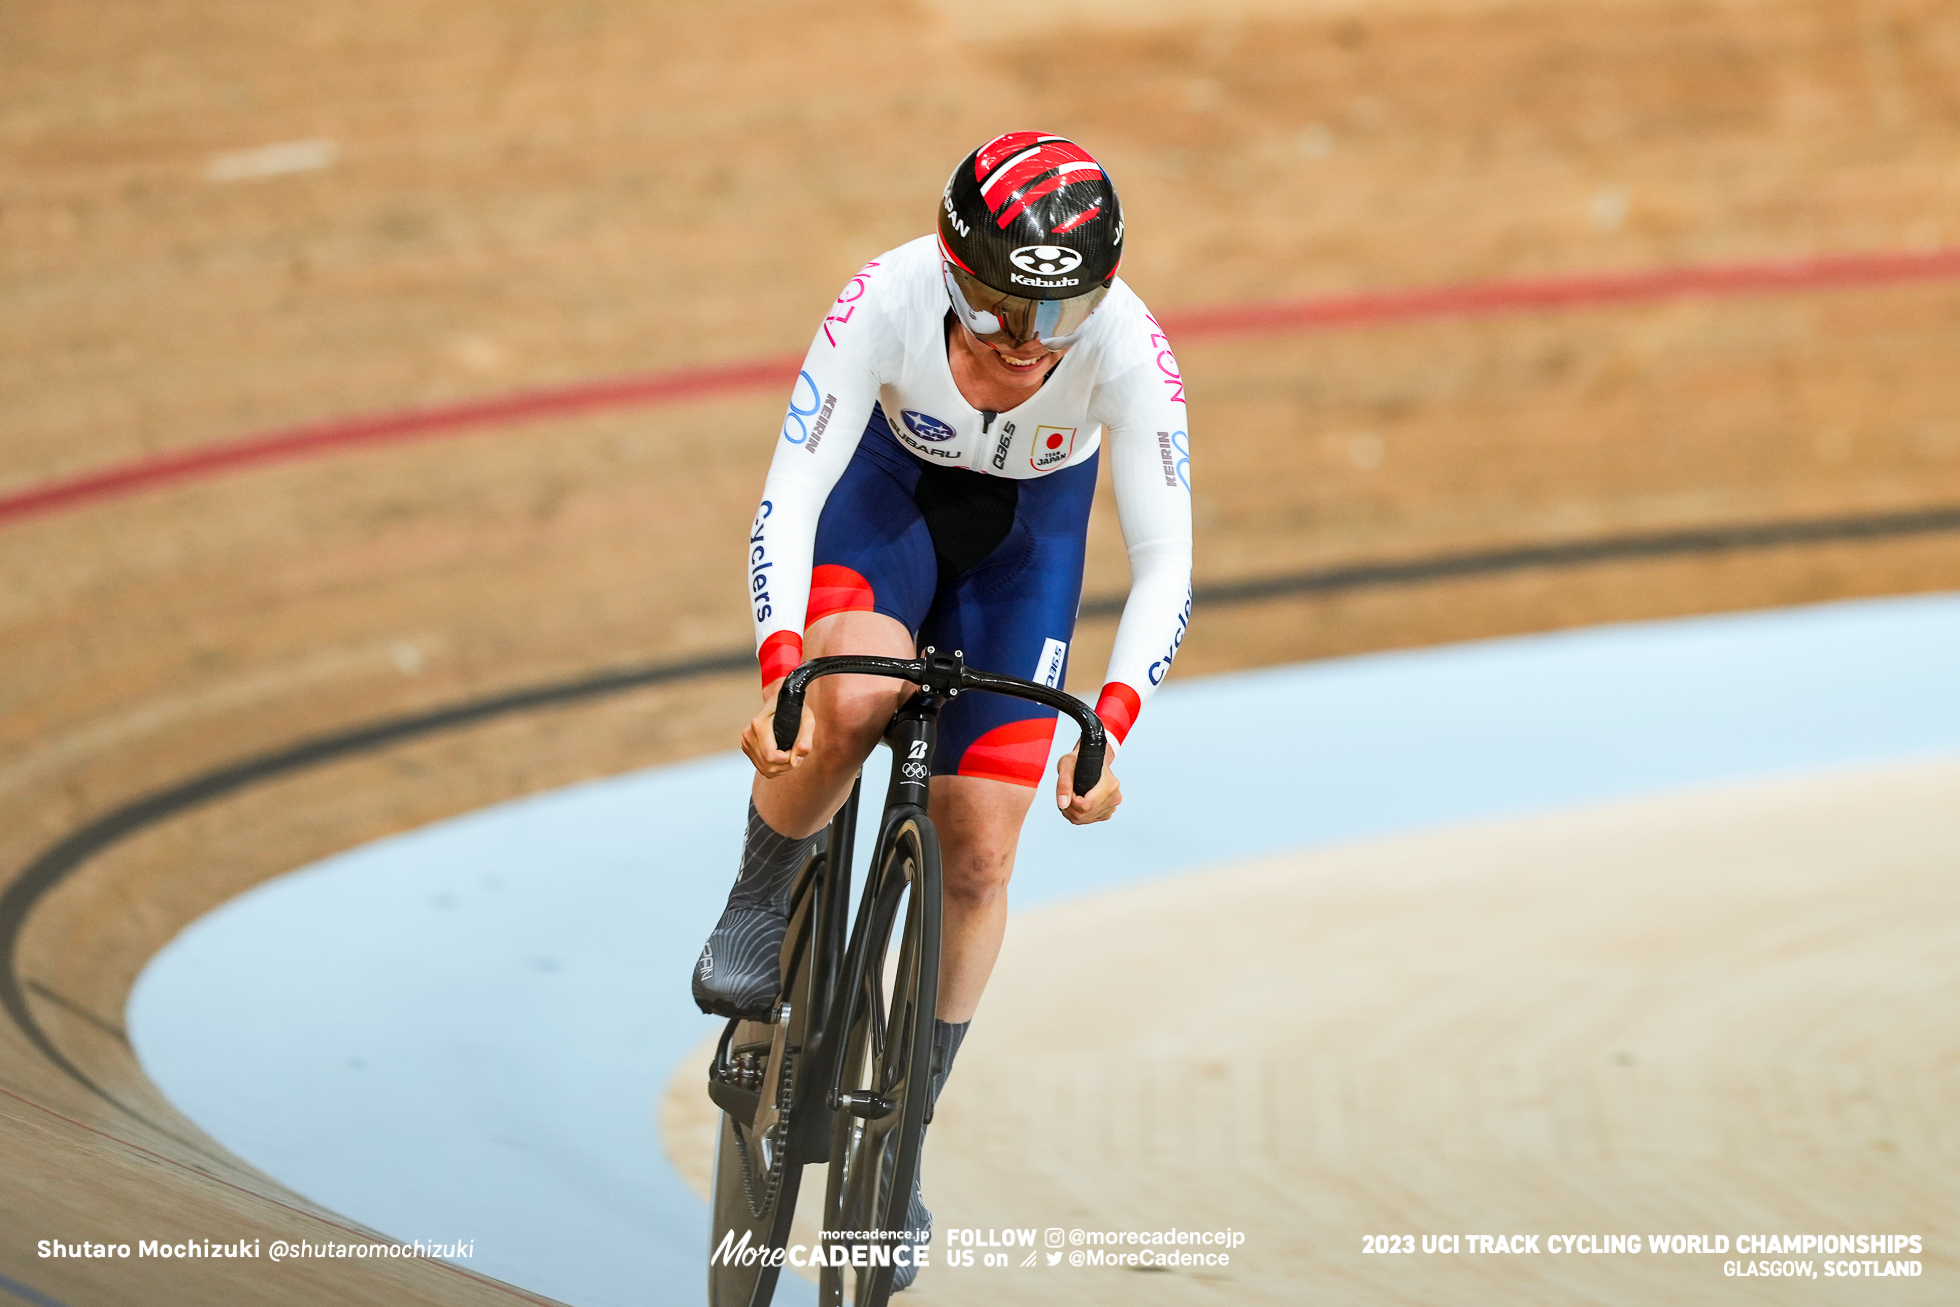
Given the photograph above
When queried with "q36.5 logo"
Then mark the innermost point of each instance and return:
(1045, 260)
(925, 426)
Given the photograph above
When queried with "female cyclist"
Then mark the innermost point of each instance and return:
(932, 486)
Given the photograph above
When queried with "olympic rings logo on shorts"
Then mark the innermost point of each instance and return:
(801, 416)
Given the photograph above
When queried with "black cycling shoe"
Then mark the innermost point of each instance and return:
(740, 970)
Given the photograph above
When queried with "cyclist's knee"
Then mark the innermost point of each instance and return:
(978, 867)
(852, 716)
(979, 828)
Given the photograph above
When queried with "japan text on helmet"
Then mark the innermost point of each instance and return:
(1032, 233)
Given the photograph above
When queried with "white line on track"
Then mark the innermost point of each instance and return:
(271, 160)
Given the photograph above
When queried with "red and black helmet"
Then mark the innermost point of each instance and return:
(1033, 215)
(1028, 219)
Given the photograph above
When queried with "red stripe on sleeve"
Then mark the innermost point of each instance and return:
(1118, 707)
(780, 654)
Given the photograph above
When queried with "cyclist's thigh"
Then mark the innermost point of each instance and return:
(979, 815)
(861, 705)
(873, 551)
(872, 581)
(1014, 612)
(857, 633)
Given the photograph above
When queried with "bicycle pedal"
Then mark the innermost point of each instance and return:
(866, 1105)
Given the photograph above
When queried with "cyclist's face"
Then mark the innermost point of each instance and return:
(1018, 365)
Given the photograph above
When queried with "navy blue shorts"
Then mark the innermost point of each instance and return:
(1012, 611)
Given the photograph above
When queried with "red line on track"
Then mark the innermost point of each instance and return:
(1490, 298)
(1366, 309)
(395, 428)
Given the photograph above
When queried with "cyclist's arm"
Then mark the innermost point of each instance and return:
(829, 405)
(1147, 434)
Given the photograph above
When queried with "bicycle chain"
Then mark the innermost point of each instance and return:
(780, 1131)
(785, 1099)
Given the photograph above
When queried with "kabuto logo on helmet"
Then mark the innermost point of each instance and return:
(1009, 200)
(1047, 260)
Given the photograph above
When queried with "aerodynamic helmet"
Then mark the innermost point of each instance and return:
(1031, 232)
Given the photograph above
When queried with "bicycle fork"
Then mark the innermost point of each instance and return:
(914, 738)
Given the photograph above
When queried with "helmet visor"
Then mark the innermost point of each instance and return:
(1010, 320)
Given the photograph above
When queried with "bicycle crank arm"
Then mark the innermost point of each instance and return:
(737, 1102)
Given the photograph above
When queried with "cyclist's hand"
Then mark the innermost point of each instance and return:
(759, 738)
(1100, 803)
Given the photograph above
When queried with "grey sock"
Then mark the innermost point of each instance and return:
(946, 1039)
(770, 862)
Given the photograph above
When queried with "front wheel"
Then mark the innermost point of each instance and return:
(887, 1080)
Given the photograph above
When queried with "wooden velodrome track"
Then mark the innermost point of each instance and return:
(215, 678)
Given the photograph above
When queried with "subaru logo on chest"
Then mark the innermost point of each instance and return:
(925, 426)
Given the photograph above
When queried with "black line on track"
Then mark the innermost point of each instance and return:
(63, 858)
(1577, 553)
(75, 1009)
(27, 1293)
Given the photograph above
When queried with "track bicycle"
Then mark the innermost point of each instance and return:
(841, 1072)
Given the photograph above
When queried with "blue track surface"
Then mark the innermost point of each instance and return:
(463, 1032)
